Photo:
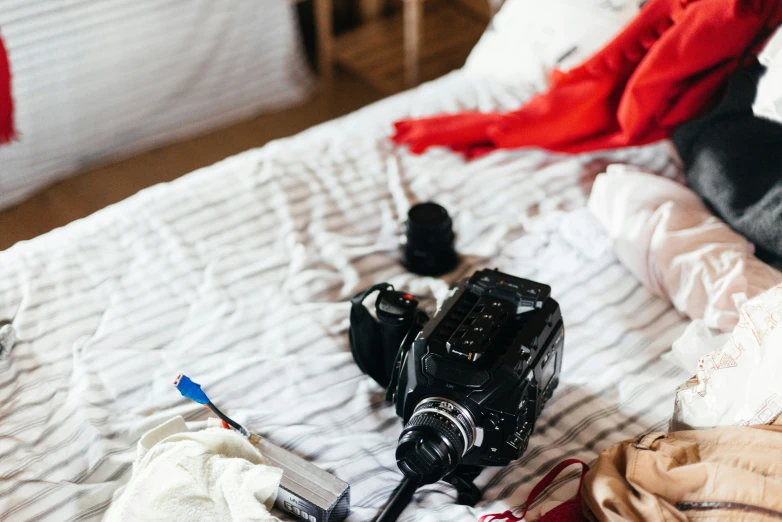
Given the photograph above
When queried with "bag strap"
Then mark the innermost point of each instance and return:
(359, 297)
(538, 489)
(364, 334)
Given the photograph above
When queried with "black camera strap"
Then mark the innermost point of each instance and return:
(396, 368)
(364, 335)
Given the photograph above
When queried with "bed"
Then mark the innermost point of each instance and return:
(238, 275)
(95, 81)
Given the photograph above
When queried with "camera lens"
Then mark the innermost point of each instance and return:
(428, 243)
(439, 433)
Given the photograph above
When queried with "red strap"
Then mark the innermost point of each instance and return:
(538, 489)
(7, 132)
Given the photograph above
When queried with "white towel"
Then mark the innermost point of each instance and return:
(214, 474)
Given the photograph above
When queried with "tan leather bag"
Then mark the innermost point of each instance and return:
(732, 473)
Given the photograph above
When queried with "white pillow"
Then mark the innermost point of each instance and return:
(527, 38)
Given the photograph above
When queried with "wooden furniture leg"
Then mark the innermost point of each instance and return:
(371, 9)
(324, 23)
(413, 18)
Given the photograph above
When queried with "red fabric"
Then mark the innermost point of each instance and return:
(6, 103)
(663, 69)
(568, 511)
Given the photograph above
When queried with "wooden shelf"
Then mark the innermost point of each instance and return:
(375, 51)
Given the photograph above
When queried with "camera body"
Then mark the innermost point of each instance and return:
(470, 383)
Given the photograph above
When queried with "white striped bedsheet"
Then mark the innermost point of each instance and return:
(96, 80)
(238, 275)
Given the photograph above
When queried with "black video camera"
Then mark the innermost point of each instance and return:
(470, 383)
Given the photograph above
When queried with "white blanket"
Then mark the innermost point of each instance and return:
(238, 275)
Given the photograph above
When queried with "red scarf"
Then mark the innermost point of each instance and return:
(7, 132)
(665, 68)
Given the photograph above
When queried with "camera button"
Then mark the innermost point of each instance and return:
(494, 455)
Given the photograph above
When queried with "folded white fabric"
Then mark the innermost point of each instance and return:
(739, 383)
(214, 474)
(666, 237)
(768, 99)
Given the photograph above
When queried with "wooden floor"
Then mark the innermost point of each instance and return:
(87, 192)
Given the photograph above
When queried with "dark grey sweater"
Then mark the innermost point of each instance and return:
(733, 159)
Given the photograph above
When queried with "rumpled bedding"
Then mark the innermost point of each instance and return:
(239, 275)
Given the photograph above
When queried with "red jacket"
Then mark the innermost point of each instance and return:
(663, 69)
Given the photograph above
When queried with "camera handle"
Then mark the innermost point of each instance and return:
(468, 493)
(462, 479)
(398, 501)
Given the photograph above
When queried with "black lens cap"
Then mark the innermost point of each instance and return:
(429, 216)
(424, 456)
(428, 245)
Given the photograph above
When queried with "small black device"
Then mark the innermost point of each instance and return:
(470, 383)
(428, 240)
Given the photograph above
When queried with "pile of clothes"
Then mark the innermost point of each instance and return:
(706, 74)
(666, 67)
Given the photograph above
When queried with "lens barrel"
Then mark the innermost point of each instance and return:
(428, 241)
(439, 433)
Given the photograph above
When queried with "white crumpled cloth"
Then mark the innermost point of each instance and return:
(214, 475)
(665, 236)
(738, 384)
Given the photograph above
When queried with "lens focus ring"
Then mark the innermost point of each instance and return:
(441, 425)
